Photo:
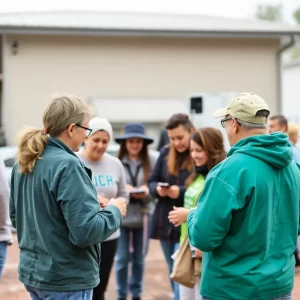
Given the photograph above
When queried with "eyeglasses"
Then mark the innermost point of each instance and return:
(88, 131)
(227, 119)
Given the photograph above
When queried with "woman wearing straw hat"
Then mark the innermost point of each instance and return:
(132, 244)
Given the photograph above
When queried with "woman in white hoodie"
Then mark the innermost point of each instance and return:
(109, 180)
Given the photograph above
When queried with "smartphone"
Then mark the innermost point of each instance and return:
(137, 191)
(163, 184)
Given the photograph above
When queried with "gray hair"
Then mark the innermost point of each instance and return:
(61, 112)
(58, 115)
(249, 126)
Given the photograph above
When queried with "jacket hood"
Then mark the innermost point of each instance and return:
(275, 149)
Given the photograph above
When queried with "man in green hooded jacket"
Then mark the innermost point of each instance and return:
(247, 217)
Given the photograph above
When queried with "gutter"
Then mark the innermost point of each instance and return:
(288, 45)
(142, 32)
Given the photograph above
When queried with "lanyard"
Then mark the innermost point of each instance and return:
(134, 177)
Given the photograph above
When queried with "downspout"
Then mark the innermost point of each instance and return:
(6, 105)
(290, 44)
(2, 133)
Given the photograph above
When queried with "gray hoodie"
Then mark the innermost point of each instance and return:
(109, 179)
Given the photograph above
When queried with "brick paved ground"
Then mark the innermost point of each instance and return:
(156, 284)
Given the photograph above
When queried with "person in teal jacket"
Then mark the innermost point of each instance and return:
(54, 207)
(247, 217)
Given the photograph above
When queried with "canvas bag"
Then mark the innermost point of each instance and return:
(183, 267)
(134, 217)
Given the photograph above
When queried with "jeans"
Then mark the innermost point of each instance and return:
(36, 294)
(168, 249)
(122, 259)
(297, 257)
(3, 253)
(285, 297)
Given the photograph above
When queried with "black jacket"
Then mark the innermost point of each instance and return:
(161, 228)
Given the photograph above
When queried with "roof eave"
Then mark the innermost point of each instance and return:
(143, 32)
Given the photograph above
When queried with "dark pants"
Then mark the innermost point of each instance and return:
(296, 257)
(108, 250)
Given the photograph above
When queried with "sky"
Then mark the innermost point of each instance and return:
(225, 8)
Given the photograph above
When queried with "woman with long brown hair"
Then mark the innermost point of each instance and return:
(138, 163)
(206, 150)
(167, 183)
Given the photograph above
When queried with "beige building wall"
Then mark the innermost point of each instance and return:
(107, 67)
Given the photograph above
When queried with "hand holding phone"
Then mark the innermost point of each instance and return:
(140, 192)
(162, 189)
(173, 192)
(137, 191)
(164, 184)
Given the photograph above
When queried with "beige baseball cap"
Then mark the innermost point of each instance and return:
(245, 107)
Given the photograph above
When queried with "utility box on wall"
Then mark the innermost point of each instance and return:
(196, 104)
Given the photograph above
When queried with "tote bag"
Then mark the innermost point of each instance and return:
(183, 268)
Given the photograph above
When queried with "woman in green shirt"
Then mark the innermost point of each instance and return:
(206, 150)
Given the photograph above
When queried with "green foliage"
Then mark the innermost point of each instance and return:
(269, 12)
(274, 13)
(295, 53)
(296, 15)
